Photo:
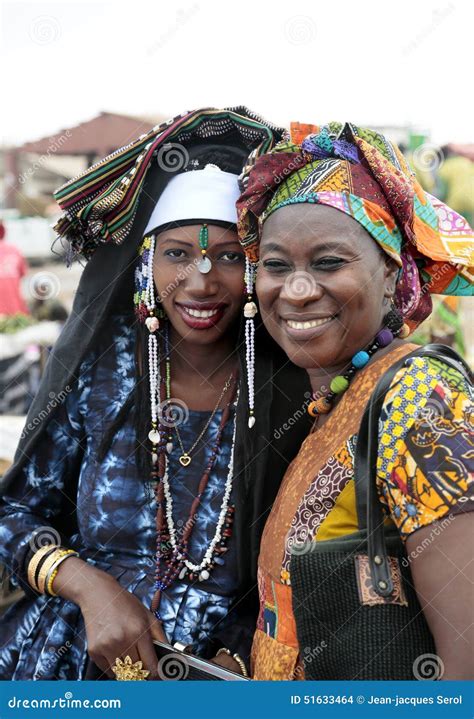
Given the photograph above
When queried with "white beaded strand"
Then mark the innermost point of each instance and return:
(206, 560)
(153, 354)
(250, 310)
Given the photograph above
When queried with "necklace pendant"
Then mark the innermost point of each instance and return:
(184, 460)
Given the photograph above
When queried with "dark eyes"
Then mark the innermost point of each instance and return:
(231, 257)
(175, 254)
(227, 257)
(324, 263)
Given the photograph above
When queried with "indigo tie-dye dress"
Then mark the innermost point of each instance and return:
(44, 637)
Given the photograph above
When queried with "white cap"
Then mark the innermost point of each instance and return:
(208, 194)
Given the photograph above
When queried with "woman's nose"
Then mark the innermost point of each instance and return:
(201, 284)
(300, 288)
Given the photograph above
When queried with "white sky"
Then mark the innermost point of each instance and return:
(372, 62)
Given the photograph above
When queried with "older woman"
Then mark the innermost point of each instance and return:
(349, 248)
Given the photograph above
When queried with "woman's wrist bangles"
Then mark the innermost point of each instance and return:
(43, 567)
(236, 657)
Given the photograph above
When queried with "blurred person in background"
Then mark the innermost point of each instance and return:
(12, 268)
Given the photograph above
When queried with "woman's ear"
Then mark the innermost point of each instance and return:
(391, 275)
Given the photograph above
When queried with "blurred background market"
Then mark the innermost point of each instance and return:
(62, 121)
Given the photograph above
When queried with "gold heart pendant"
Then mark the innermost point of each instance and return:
(185, 459)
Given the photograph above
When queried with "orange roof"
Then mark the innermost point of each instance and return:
(99, 136)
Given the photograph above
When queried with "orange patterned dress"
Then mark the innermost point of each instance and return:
(425, 471)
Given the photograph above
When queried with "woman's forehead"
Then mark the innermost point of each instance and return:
(317, 222)
(190, 233)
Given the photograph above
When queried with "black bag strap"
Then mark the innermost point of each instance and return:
(369, 508)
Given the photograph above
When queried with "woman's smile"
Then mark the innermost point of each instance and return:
(201, 315)
(301, 328)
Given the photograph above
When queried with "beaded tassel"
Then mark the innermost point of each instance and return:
(153, 324)
(250, 310)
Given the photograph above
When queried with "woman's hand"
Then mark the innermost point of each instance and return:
(117, 624)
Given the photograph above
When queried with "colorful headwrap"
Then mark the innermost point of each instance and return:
(101, 203)
(361, 173)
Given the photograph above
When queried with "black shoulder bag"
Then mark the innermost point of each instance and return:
(357, 613)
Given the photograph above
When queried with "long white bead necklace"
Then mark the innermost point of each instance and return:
(202, 567)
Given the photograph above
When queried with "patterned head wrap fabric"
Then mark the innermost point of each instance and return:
(100, 204)
(361, 173)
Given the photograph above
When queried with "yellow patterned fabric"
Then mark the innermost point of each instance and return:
(425, 472)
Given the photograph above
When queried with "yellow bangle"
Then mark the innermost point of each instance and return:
(48, 563)
(34, 562)
(54, 570)
(49, 582)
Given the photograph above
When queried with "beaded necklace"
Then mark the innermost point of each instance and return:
(393, 327)
(172, 559)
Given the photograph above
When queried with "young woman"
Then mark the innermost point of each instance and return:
(134, 508)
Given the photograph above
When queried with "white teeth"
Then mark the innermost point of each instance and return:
(307, 325)
(203, 314)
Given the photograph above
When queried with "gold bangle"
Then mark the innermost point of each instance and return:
(223, 650)
(51, 576)
(48, 563)
(34, 562)
(241, 664)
